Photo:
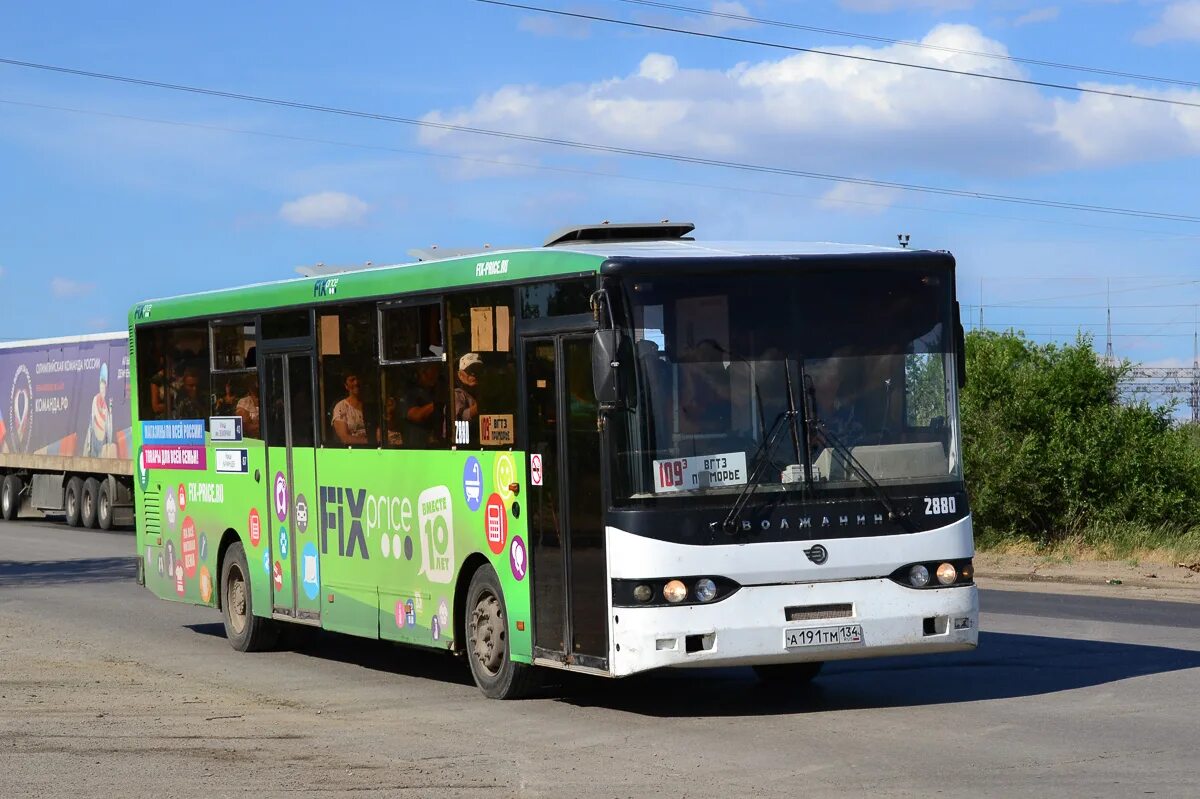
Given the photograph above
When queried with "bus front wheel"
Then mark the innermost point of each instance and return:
(245, 631)
(494, 670)
(796, 674)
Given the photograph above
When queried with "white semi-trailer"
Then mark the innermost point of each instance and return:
(65, 430)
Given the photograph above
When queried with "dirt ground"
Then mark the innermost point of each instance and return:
(1130, 579)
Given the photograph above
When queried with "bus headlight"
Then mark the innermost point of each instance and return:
(705, 589)
(675, 591)
(946, 574)
(919, 576)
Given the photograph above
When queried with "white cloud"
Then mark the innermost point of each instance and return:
(66, 287)
(1179, 21)
(809, 111)
(658, 68)
(326, 209)
(859, 199)
(1047, 14)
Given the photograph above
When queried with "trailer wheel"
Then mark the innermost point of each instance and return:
(10, 497)
(87, 508)
(494, 670)
(72, 498)
(104, 515)
(245, 631)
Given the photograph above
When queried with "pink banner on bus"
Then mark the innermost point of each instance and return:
(176, 456)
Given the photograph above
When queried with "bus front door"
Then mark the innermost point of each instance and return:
(566, 529)
(288, 416)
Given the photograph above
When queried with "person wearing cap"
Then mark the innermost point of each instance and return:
(466, 394)
(100, 426)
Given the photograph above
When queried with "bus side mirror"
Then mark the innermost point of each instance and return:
(606, 367)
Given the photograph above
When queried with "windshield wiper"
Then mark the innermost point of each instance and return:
(848, 457)
(760, 457)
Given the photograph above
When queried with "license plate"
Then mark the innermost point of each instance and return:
(846, 634)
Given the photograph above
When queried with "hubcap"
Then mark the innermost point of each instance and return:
(487, 633)
(235, 599)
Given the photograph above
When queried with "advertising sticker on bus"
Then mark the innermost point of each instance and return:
(698, 472)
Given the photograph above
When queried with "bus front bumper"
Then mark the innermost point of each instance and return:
(754, 625)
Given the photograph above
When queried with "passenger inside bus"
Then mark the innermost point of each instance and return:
(349, 424)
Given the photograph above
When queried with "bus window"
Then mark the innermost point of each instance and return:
(173, 376)
(483, 363)
(415, 390)
(286, 324)
(558, 298)
(234, 345)
(349, 371)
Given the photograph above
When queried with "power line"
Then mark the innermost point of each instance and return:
(587, 172)
(850, 56)
(908, 43)
(609, 149)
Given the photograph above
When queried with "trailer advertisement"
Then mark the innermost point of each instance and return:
(66, 397)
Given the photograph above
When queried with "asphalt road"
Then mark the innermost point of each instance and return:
(107, 691)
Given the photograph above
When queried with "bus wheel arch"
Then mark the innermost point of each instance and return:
(472, 564)
(486, 642)
(228, 538)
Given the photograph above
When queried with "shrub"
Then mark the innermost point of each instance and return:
(1050, 451)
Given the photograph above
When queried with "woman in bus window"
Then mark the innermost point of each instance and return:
(247, 408)
(349, 424)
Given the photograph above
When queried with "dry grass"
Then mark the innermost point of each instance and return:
(1130, 542)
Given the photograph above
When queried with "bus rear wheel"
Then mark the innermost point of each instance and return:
(494, 670)
(10, 497)
(72, 496)
(245, 631)
(796, 674)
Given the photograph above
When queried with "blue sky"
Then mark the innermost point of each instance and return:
(99, 210)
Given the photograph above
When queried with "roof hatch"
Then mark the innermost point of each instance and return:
(625, 231)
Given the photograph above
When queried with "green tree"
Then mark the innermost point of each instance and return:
(1049, 450)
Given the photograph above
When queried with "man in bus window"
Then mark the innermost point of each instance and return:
(188, 404)
(466, 394)
(425, 407)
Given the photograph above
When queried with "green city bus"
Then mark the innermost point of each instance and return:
(622, 450)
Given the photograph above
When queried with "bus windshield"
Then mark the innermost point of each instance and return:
(830, 377)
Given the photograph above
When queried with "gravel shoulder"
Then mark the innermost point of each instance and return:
(1109, 578)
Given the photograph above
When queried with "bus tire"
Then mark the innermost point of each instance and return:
(796, 674)
(72, 498)
(104, 514)
(87, 508)
(10, 497)
(245, 631)
(495, 672)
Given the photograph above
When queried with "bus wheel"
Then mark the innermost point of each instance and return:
(495, 672)
(72, 497)
(104, 517)
(87, 508)
(10, 497)
(789, 673)
(245, 631)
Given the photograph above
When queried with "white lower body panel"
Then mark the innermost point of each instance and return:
(748, 627)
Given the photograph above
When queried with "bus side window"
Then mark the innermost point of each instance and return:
(415, 390)
(173, 373)
(483, 369)
(349, 373)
